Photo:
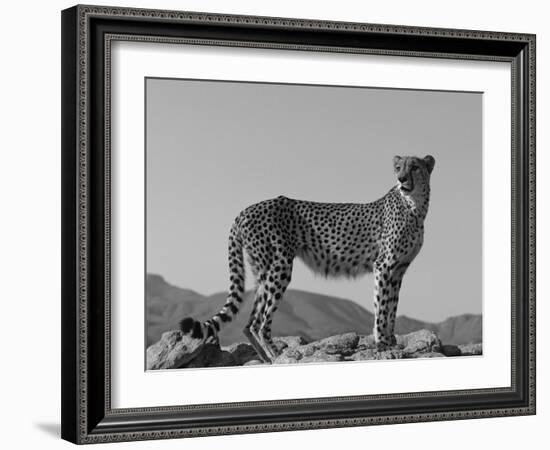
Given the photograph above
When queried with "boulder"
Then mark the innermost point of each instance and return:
(253, 362)
(471, 349)
(213, 356)
(363, 355)
(343, 344)
(242, 352)
(422, 341)
(366, 342)
(289, 341)
(451, 350)
(392, 353)
(174, 350)
(290, 357)
(372, 354)
(333, 348)
(320, 357)
(427, 355)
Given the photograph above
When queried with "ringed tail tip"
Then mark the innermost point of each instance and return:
(191, 326)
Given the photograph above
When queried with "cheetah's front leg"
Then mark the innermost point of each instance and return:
(387, 282)
(381, 297)
(395, 284)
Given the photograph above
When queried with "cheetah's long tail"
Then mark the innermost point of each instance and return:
(208, 330)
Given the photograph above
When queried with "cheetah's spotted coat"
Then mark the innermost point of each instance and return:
(334, 239)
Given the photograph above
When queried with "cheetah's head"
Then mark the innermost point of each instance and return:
(413, 173)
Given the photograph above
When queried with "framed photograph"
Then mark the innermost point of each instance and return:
(279, 224)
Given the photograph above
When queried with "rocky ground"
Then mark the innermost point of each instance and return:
(175, 350)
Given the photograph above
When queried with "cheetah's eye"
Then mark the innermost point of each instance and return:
(415, 168)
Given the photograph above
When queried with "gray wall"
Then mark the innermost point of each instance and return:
(213, 148)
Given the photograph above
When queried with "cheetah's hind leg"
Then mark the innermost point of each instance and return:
(251, 329)
(275, 286)
(252, 336)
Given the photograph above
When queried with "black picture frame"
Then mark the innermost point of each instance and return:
(87, 416)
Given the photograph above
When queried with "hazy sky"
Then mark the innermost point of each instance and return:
(214, 148)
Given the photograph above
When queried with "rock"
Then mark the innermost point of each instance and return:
(422, 341)
(172, 351)
(370, 354)
(471, 349)
(321, 357)
(427, 355)
(333, 348)
(307, 350)
(342, 344)
(315, 357)
(288, 358)
(212, 355)
(289, 341)
(366, 342)
(364, 355)
(451, 350)
(394, 353)
(253, 362)
(293, 355)
(401, 340)
(242, 352)
(236, 347)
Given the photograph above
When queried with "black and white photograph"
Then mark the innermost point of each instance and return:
(275, 225)
(296, 223)
(274, 221)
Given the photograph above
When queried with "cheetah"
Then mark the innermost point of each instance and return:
(332, 239)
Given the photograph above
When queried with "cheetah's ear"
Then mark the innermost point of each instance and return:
(396, 161)
(430, 163)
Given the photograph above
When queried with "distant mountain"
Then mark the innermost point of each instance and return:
(310, 315)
